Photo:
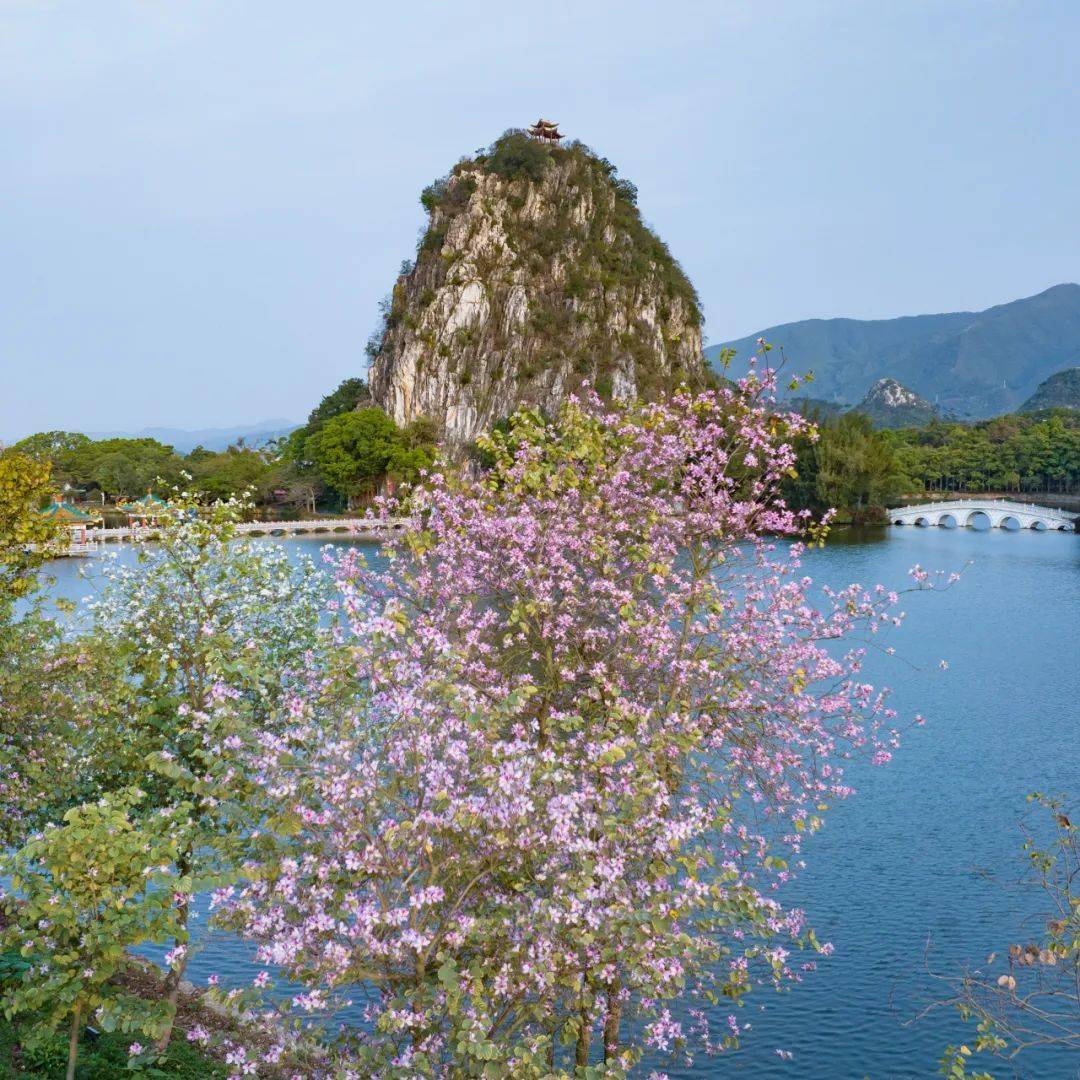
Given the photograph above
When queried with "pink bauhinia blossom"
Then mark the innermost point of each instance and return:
(590, 713)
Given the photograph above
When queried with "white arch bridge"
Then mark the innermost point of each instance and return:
(1002, 513)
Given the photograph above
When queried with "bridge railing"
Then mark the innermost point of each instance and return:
(312, 525)
(974, 505)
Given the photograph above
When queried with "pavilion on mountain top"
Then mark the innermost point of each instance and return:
(547, 131)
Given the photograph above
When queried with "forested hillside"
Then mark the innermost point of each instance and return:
(975, 364)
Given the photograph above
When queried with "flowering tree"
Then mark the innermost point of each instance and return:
(210, 633)
(85, 892)
(596, 714)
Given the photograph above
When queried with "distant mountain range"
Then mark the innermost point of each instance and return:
(184, 440)
(972, 364)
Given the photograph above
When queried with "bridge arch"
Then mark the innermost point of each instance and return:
(978, 519)
(949, 520)
(1008, 522)
(922, 521)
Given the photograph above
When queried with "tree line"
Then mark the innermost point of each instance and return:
(347, 451)
(1018, 452)
(850, 466)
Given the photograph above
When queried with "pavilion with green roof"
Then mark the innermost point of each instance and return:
(148, 508)
(65, 513)
(77, 521)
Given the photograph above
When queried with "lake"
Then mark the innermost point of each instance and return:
(897, 868)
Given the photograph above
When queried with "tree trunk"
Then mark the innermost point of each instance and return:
(172, 996)
(553, 1031)
(176, 974)
(73, 1041)
(581, 1056)
(611, 1023)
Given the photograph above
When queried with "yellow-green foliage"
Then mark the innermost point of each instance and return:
(24, 534)
(83, 894)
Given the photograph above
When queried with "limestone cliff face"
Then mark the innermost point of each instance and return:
(535, 274)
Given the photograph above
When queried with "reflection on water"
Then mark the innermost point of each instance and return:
(841, 535)
(897, 865)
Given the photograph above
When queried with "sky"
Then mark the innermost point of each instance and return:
(202, 201)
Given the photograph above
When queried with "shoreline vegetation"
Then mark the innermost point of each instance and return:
(105, 1055)
(349, 452)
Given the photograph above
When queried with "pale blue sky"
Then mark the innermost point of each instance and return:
(201, 202)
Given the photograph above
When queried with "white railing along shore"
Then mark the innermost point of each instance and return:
(366, 528)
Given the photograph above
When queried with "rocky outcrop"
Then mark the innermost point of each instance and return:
(535, 274)
(890, 404)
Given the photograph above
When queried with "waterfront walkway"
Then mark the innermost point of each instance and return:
(360, 528)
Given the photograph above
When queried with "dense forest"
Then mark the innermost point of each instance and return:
(858, 469)
(1018, 452)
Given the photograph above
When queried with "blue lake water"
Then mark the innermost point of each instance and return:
(896, 871)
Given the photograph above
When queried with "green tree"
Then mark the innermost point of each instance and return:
(24, 534)
(232, 472)
(855, 467)
(349, 395)
(353, 451)
(85, 892)
(123, 468)
(118, 474)
(415, 453)
(43, 677)
(50, 445)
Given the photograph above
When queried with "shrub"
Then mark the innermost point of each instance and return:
(86, 892)
(516, 155)
(432, 195)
